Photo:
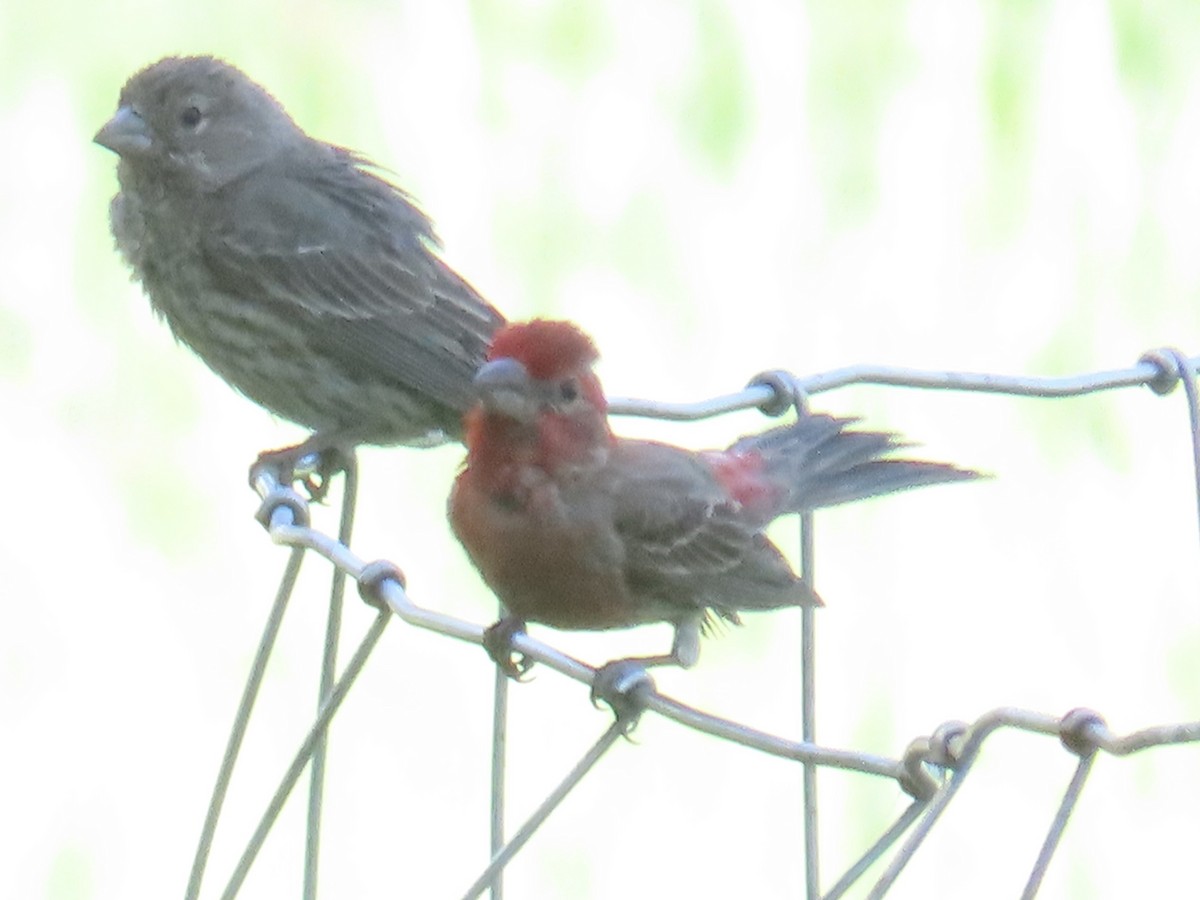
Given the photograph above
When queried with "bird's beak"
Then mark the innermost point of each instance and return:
(125, 134)
(503, 386)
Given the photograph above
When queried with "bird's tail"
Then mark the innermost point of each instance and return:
(817, 461)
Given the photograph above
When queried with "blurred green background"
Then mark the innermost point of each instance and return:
(712, 189)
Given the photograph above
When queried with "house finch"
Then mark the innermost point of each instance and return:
(576, 528)
(307, 282)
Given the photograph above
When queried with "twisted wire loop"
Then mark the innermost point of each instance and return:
(955, 747)
(931, 770)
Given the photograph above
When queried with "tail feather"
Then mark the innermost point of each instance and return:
(818, 463)
(884, 476)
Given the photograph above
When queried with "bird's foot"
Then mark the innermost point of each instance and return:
(313, 463)
(497, 641)
(623, 684)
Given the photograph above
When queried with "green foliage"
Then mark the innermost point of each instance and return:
(858, 54)
(570, 39)
(1012, 59)
(70, 875)
(713, 115)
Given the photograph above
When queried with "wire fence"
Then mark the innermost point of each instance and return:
(930, 771)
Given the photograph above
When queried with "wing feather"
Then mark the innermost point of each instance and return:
(687, 542)
(327, 240)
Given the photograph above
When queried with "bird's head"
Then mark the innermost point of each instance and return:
(540, 367)
(538, 390)
(199, 119)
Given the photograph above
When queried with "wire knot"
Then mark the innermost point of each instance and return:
(945, 748)
(1171, 365)
(372, 578)
(940, 749)
(786, 392)
(282, 497)
(1077, 731)
(624, 685)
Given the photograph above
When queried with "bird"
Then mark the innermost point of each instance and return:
(574, 527)
(296, 272)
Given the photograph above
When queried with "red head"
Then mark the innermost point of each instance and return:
(540, 402)
(545, 347)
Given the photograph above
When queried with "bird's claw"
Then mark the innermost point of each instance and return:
(320, 465)
(622, 684)
(497, 641)
(330, 461)
(516, 667)
(316, 485)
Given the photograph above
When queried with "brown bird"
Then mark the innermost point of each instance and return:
(576, 528)
(306, 281)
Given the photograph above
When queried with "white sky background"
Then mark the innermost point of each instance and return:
(883, 201)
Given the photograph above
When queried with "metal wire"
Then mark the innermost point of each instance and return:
(241, 720)
(333, 630)
(340, 689)
(931, 771)
(499, 761)
(581, 768)
(1148, 372)
(876, 850)
(808, 713)
(1058, 826)
(1173, 366)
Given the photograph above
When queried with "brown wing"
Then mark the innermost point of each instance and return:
(687, 543)
(324, 239)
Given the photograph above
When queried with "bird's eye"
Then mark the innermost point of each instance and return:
(191, 117)
(568, 391)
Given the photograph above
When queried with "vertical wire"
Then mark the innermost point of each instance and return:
(934, 808)
(1188, 377)
(876, 850)
(526, 831)
(340, 689)
(808, 713)
(333, 628)
(241, 720)
(1054, 835)
(499, 764)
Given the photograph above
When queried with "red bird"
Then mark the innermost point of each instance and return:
(577, 528)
